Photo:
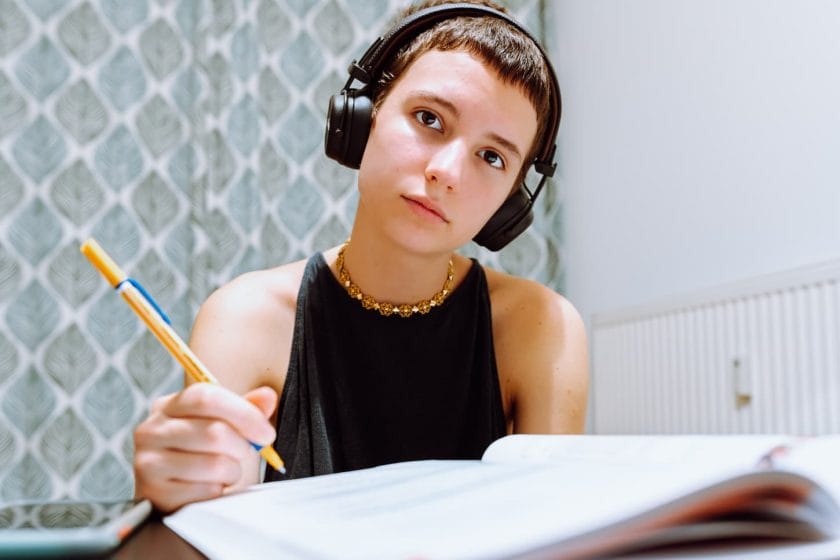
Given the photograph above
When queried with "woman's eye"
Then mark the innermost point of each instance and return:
(493, 158)
(428, 119)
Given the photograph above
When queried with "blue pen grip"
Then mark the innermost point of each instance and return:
(147, 296)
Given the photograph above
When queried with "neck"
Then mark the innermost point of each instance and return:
(391, 273)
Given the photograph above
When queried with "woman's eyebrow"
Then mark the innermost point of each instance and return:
(506, 144)
(435, 98)
(431, 97)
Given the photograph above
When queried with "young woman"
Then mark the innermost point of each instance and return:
(391, 346)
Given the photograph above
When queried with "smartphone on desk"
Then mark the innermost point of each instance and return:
(61, 529)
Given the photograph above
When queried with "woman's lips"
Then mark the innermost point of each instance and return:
(426, 208)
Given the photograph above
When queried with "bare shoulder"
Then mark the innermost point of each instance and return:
(522, 302)
(259, 293)
(541, 353)
(243, 330)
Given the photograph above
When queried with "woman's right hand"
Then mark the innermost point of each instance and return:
(195, 444)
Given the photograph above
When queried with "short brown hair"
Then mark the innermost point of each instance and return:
(506, 49)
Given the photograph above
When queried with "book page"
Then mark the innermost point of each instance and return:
(434, 509)
(715, 452)
(816, 457)
(756, 549)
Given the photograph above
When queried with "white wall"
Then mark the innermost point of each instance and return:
(700, 143)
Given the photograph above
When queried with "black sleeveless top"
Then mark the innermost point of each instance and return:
(365, 390)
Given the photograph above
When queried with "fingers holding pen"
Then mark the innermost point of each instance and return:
(160, 477)
(193, 435)
(193, 468)
(178, 461)
(203, 400)
(195, 443)
(264, 398)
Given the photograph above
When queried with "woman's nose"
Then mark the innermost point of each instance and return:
(446, 164)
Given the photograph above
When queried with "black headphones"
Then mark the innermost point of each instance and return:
(351, 111)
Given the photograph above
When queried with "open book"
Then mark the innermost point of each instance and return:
(547, 497)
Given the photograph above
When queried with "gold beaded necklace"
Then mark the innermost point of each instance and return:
(388, 309)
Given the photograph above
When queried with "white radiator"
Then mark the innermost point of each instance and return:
(761, 356)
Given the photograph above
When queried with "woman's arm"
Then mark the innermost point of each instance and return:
(194, 444)
(542, 356)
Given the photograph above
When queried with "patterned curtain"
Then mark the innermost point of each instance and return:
(186, 136)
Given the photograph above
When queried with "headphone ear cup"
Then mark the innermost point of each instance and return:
(334, 138)
(512, 218)
(348, 127)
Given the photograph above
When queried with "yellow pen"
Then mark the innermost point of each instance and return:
(145, 307)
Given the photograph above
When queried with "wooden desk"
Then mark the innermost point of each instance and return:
(155, 540)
